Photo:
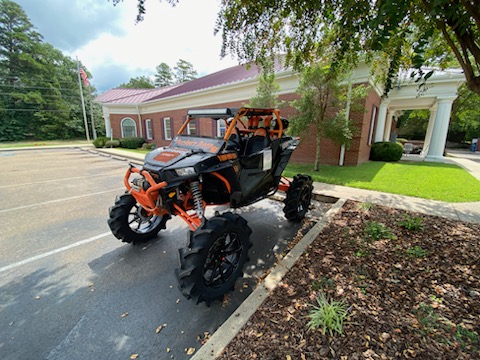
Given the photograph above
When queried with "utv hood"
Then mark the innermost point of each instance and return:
(174, 157)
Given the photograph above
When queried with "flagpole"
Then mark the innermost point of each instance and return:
(83, 102)
(94, 131)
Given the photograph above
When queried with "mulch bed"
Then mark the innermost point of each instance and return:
(410, 293)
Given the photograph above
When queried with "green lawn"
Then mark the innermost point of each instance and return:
(435, 181)
(40, 143)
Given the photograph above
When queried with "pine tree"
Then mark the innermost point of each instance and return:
(164, 76)
(184, 71)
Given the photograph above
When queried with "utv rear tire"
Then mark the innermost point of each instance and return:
(298, 198)
(214, 258)
(130, 223)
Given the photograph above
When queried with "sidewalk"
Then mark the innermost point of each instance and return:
(469, 211)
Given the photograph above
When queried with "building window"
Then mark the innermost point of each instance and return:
(167, 128)
(221, 128)
(129, 128)
(192, 128)
(148, 129)
(372, 125)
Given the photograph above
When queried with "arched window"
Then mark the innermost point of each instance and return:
(129, 128)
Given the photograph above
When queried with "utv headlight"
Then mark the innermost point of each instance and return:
(186, 171)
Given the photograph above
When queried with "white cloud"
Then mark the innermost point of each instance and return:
(107, 40)
(167, 34)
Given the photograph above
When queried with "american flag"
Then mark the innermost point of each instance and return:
(84, 76)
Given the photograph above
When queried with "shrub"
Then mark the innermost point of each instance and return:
(378, 231)
(132, 142)
(150, 146)
(100, 141)
(112, 143)
(386, 151)
(411, 223)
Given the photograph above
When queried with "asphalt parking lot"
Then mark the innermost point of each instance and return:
(70, 290)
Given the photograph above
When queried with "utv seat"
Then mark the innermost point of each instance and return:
(259, 141)
(234, 141)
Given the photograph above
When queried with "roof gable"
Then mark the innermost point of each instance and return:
(230, 75)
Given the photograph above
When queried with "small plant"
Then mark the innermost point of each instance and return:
(361, 253)
(426, 316)
(466, 337)
(330, 315)
(411, 223)
(417, 252)
(365, 206)
(150, 146)
(377, 231)
(324, 283)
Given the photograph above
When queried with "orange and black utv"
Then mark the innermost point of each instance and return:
(238, 168)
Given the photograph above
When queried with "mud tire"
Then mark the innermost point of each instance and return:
(214, 258)
(129, 224)
(298, 198)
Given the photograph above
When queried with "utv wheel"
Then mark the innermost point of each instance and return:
(298, 198)
(130, 223)
(214, 258)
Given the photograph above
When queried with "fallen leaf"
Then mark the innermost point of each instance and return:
(190, 351)
(37, 297)
(125, 314)
(259, 334)
(134, 356)
(178, 301)
(168, 350)
(289, 357)
(159, 329)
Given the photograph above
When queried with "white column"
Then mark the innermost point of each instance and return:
(108, 125)
(388, 126)
(428, 135)
(440, 129)
(382, 117)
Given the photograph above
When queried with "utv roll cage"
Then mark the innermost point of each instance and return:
(250, 120)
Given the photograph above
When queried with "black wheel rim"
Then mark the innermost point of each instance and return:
(222, 260)
(139, 220)
(305, 198)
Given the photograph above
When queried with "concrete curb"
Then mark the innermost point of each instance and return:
(230, 328)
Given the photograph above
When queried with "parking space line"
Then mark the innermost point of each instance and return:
(59, 200)
(53, 252)
(54, 180)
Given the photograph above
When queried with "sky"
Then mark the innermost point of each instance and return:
(113, 48)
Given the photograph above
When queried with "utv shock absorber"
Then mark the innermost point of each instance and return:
(197, 198)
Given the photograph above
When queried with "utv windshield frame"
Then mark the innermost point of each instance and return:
(254, 117)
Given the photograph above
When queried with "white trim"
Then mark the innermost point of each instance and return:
(134, 124)
(148, 129)
(189, 131)
(219, 128)
(164, 123)
(372, 124)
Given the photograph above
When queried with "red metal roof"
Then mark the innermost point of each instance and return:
(227, 76)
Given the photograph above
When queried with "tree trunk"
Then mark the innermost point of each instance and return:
(316, 166)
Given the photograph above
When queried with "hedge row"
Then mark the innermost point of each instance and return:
(127, 143)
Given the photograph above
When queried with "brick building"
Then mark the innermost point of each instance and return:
(156, 114)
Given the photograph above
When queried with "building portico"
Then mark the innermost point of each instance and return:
(437, 97)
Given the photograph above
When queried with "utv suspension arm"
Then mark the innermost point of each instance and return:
(146, 198)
